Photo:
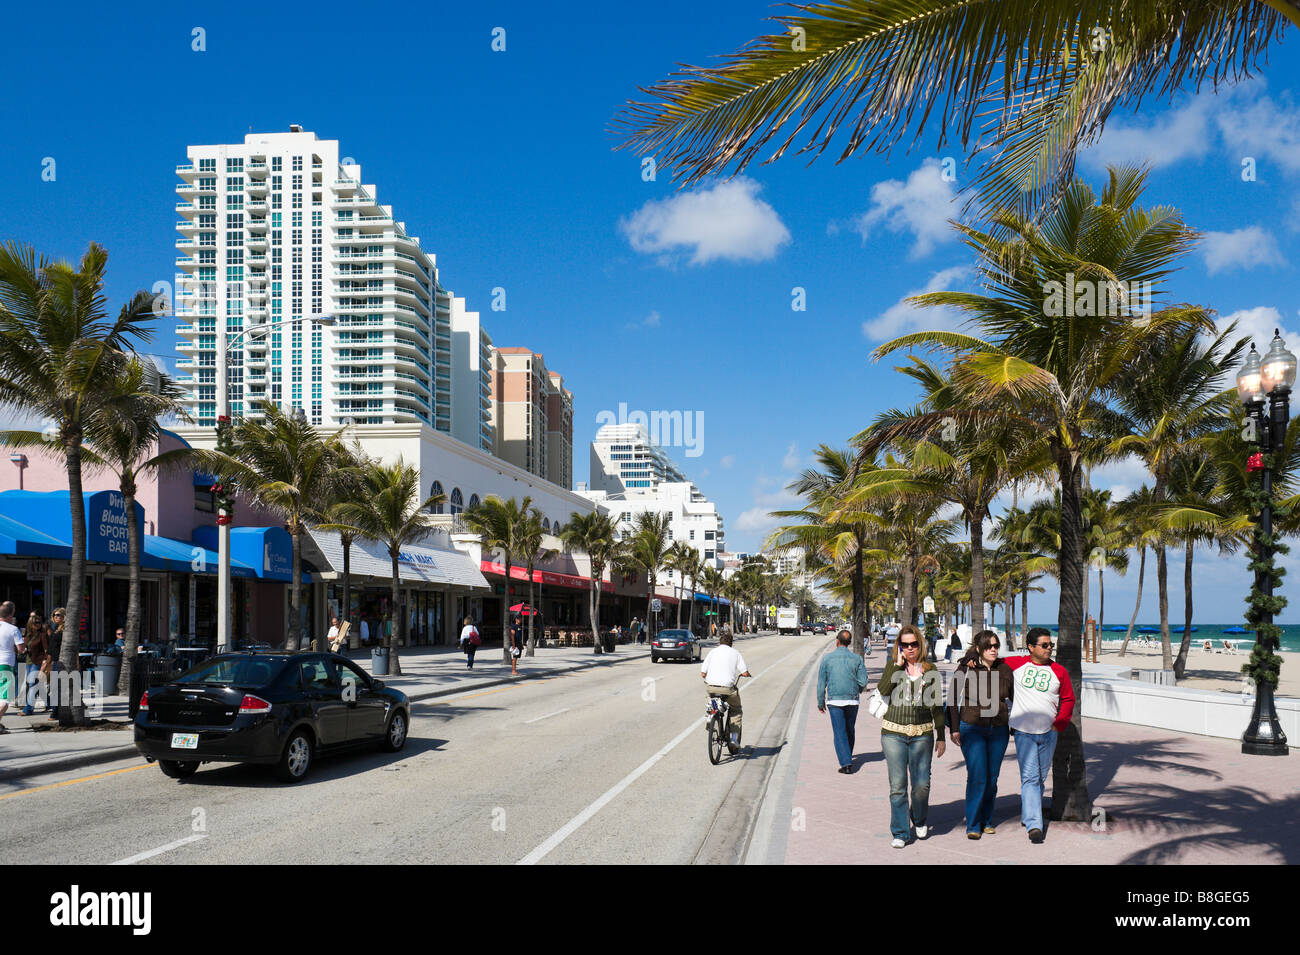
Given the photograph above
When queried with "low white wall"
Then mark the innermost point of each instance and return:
(1184, 710)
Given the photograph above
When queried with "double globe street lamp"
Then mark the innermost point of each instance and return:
(1259, 382)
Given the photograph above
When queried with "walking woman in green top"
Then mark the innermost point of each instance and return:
(911, 731)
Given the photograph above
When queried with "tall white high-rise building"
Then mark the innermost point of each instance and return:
(280, 228)
(624, 460)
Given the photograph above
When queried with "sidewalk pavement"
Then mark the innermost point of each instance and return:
(427, 673)
(1158, 797)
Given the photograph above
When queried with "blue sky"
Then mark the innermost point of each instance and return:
(502, 163)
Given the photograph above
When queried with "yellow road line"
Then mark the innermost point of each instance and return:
(70, 782)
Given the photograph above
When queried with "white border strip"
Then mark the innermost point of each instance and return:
(161, 849)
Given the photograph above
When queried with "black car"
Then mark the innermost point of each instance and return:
(676, 644)
(282, 709)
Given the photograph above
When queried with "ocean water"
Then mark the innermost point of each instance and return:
(1203, 631)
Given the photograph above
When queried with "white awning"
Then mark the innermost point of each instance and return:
(427, 565)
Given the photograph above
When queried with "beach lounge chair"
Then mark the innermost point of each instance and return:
(1229, 645)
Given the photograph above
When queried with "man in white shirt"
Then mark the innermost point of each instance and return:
(11, 644)
(722, 669)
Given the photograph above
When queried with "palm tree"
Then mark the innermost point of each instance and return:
(501, 525)
(842, 543)
(1042, 80)
(1177, 401)
(349, 484)
(59, 354)
(1052, 368)
(285, 465)
(713, 582)
(1134, 515)
(967, 464)
(649, 546)
(124, 435)
(596, 536)
(389, 510)
(532, 552)
(1105, 546)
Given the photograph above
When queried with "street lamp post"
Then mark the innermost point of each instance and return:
(1271, 377)
(224, 424)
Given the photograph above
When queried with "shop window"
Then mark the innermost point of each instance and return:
(457, 502)
(436, 491)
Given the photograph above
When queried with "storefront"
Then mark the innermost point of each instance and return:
(436, 588)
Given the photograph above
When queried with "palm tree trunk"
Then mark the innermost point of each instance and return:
(532, 617)
(593, 616)
(505, 617)
(68, 713)
(1180, 665)
(977, 569)
(396, 619)
(860, 609)
(1024, 616)
(1142, 569)
(1070, 799)
(1101, 601)
(1162, 586)
(131, 639)
(295, 590)
(909, 605)
(347, 580)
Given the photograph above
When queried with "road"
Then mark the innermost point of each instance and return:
(599, 766)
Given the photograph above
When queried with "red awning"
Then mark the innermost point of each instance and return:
(550, 578)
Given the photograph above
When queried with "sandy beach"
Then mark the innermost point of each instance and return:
(1207, 670)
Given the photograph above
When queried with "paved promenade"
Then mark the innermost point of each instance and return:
(33, 746)
(1167, 798)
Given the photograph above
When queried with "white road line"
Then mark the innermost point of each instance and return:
(570, 827)
(161, 849)
(549, 715)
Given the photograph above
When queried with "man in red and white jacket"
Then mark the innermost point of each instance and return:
(1042, 703)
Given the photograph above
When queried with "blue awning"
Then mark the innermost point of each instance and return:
(164, 553)
(18, 539)
(268, 551)
(704, 598)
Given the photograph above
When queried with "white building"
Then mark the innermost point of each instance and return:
(471, 378)
(280, 228)
(623, 460)
(693, 518)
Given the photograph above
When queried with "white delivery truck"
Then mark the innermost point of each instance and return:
(787, 620)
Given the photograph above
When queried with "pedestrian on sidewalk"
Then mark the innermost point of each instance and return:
(469, 642)
(52, 664)
(911, 732)
(635, 628)
(977, 719)
(36, 635)
(842, 675)
(11, 644)
(1041, 707)
(516, 644)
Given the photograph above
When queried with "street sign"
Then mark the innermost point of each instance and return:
(771, 611)
(929, 605)
(656, 605)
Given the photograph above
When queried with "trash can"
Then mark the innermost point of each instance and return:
(147, 672)
(107, 668)
(609, 641)
(379, 661)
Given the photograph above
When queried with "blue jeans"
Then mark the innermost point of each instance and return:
(907, 756)
(1034, 754)
(983, 748)
(843, 723)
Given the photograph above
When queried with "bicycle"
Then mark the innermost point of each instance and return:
(718, 725)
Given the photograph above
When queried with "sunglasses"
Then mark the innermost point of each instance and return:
(1045, 646)
(906, 646)
(995, 646)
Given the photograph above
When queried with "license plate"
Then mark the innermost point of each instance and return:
(185, 740)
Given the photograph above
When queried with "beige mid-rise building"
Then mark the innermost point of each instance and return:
(532, 415)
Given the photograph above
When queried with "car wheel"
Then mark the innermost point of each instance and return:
(178, 769)
(653, 658)
(296, 758)
(395, 734)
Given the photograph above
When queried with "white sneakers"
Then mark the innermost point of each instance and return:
(922, 831)
(898, 844)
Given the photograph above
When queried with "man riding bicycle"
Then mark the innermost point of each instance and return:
(722, 670)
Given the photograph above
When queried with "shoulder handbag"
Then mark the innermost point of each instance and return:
(876, 704)
(474, 638)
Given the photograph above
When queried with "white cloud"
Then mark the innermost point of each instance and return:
(1245, 248)
(1176, 135)
(727, 222)
(791, 460)
(758, 518)
(922, 205)
(902, 317)
(728, 460)
(1258, 324)
(1264, 129)
(651, 321)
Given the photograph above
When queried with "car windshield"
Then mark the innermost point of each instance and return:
(234, 671)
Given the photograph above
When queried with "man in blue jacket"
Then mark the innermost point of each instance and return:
(842, 676)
